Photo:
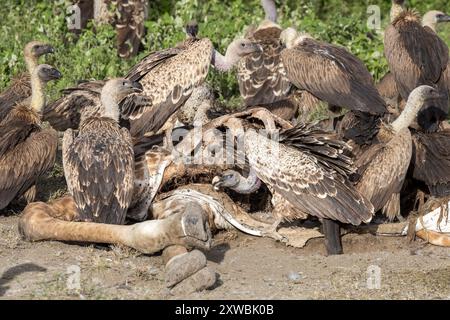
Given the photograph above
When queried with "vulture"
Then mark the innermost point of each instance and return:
(27, 151)
(307, 170)
(98, 160)
(419, 50)
(128, 19)
(337, 77)
(387, 85)
(20, 87)
(168, 78)
(397, 7)
(129, 22)
(330, 73)
(383, 166)
(261, 75)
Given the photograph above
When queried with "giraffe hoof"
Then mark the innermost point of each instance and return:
(197, 233)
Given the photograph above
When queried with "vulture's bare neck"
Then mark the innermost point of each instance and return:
(31, 63)
(110, 105)
(270, 10)
(409, 114)
(430, 23)
(224, 63)
(37, 93)
(247, 185)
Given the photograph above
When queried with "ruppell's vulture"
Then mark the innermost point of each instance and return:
(306, 169)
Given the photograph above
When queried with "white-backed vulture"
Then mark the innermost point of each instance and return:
(387, 85)
(307, 167)
(337, 77)
(99, 160)
(417, 56)
(330, 73)
(20, 87)
(27, 151)
(383, 166)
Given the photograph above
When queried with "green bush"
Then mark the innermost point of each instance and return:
(94, 56)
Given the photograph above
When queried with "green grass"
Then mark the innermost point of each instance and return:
(94, 56)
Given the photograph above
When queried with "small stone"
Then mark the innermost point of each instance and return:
(294, 276)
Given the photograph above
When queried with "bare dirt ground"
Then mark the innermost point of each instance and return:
(247, 267)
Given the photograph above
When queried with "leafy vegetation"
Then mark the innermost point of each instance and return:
(93, 55)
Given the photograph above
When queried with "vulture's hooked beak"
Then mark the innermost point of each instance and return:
(445, 18)
(137, 87)
(45, 49)
(55, 74)
(217, 183)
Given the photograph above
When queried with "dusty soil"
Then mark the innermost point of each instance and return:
(247, 267)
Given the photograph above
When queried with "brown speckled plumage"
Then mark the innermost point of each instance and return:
(309, 170)
(168, 78)
(383, 167)
(332, 74)
(417, 56)
(261, 76)
(27, 151)
(99, 169)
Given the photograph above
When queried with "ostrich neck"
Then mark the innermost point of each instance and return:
(408, 115)
(248, 185)
(110, 106)
(396, 9)
(224, 63)
(37, 93)
(270, 10)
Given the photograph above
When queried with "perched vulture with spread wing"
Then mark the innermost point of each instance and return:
(27, 151)
(168, 78)
(307, 168)
(20, 87)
